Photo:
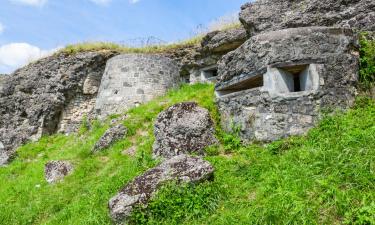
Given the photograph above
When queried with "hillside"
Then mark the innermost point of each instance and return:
(271, 121)
(326, 177)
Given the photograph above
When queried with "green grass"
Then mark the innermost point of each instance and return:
(108, 46)
(326, 177)
(153, 49)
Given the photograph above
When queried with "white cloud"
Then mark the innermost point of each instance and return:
(101, 2)
(30, 2)
(15, 55)
(133, 1)
(2, 28)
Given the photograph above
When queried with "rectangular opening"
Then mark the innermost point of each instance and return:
(209, 74)
(295, 77)
(251, 83)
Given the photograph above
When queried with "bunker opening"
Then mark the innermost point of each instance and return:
(210, 74)
(297, 78)
(247, 84)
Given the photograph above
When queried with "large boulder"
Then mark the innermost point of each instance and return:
(55, 171)
(184, 128)
(112, 135)
(271, 15)
(223, 41)
(33, 98)
(182, 169)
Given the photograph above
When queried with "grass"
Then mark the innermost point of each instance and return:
(153, 49)
(108, 46)
(326, 177)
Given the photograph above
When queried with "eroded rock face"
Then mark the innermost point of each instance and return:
(271, 15)
(277, 83)
(33, 98)
(140, 191)
(223, 41)
(183, 129)
(112, 135)
(56, 170)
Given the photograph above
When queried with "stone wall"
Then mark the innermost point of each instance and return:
(276, 84)
(132, 79)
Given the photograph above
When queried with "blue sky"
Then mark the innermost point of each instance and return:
(32, 28)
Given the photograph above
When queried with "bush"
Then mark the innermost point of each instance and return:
(367, 59)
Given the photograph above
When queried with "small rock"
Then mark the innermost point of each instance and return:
(130, 151)
(56, 170)
(184, 128)
(182, 169)
(118, 120)
(112, 135)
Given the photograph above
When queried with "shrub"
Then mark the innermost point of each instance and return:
(367, 59)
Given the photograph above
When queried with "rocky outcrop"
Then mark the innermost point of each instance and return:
(223, 41)
(112, 135)
(276, 84)
(55, 171)
(271, 15)
(33, 99)
(184, 128)
(181, 169)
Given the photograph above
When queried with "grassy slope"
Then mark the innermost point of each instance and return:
(326, 177)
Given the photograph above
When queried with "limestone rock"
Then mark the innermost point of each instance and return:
(182, 169)
(271, 15)
(112, 135)
(182, 129)
(56, 170)
(4, 157)
(33, 98)
(224, 41)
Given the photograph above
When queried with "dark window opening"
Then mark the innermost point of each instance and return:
(297, 84)
(210, 74)
(185, 76)
(296, 77)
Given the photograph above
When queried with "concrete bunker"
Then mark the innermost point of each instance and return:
(281, 92)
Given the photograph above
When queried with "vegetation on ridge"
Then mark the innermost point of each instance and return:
(98, 46)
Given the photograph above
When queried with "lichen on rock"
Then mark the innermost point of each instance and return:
(112, 135)
(184, 128)
(56, 170)
(181, 169)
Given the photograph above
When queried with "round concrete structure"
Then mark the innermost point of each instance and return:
(132, 79)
